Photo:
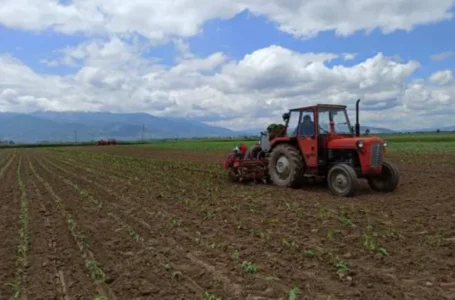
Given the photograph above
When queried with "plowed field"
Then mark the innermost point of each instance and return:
(137, 223)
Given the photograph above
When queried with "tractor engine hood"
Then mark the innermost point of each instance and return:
(352, 142)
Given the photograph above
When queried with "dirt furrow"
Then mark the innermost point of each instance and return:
(153, 231)
(53, 272)
(143, 274)
(396, 246)
(257, 226)
(9, 227)
(6, 163)
(4, 159)
(87, 264)
(211, 235)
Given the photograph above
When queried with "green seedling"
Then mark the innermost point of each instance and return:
(236, 255)
(345, 219)
(208, 296)
(342, 267)
(308, 253)
(293, 294)
(249, 267)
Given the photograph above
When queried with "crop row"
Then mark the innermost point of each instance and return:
(139, 226)
(152, 228)
(22, 249)
(145, 173)
(178, 222)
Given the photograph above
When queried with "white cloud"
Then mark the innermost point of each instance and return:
(349, 56)
(307, 18)
(112, 74)
(160, 20)
(101, 52)
(442, 56)
(247, 93)
(442, 77)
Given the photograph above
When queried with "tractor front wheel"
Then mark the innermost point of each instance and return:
(342, 180)
(286, 166)
(387, 181)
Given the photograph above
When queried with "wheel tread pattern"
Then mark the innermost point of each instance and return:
(393, 182)
(296, 176)
(352, 177)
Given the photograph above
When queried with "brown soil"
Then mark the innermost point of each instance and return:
(9, 222)
(168, 225)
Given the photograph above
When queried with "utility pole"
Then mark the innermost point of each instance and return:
(142, 134)
(75, 136)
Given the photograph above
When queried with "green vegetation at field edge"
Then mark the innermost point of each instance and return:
(419, 142)
(439, 143)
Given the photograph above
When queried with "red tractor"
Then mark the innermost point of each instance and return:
(101, 143)
(108, 142)
(317, 141)
(112, 142)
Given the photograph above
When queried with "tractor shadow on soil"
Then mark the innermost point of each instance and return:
(320, 186)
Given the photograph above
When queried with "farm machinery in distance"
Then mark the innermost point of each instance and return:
(106, 142)
(317, 142)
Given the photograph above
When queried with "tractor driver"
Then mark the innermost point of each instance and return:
(306, 127)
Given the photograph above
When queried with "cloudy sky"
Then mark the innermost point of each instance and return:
(233, 63)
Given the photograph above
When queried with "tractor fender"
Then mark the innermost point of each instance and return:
(291, 143)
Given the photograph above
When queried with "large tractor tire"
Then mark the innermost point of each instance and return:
(286, 166)
(342, 180)
(387, 181)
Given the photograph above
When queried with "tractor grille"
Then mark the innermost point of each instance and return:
(376, 155)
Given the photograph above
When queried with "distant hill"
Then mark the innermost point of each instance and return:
(373, 130)
(66, 126)
(53, 126)
(445, 128)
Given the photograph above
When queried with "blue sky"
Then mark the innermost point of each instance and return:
(228, 86)
(245, 33)
(32, 47)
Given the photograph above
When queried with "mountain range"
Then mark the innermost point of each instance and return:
(53, 126)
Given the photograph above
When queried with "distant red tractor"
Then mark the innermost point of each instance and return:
(108, 142)
(327, 147)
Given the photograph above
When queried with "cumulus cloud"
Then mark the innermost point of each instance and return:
(307, 18)
(246, 93)
(442, 55)
(159, 20)
(442, 77)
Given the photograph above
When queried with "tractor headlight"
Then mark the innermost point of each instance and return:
(359, 145)
(385, 143)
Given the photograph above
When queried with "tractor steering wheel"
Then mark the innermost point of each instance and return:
(322, 129)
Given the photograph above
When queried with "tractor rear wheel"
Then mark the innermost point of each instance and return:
(387, 181)
(342, 180)
(286, 166)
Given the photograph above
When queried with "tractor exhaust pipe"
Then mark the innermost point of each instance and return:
(357, 124)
